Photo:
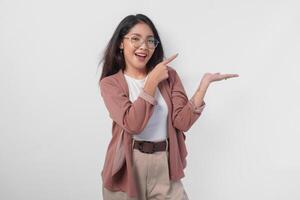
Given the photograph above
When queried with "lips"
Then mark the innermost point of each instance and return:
(141, 56)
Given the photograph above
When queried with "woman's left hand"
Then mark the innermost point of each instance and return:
(205, 81)
(212, 77)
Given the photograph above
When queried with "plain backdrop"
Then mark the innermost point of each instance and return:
(54, 126)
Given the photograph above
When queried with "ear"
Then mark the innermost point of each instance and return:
(121, 45)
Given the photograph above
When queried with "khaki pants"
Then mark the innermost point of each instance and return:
(152, 175)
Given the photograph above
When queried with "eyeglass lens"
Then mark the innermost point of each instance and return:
(150, 42)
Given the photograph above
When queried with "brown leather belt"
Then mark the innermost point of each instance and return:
(150, 147)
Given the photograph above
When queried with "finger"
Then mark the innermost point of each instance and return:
(232, 75)
(226, 76)
(168, 60)
(229, 75)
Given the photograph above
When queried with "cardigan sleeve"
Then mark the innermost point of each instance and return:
(131, 116)
(185, 112)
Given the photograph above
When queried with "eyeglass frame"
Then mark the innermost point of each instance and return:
(129, 37)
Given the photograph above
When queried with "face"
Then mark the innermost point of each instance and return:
(137, 57)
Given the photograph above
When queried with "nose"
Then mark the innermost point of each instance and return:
(143, 45)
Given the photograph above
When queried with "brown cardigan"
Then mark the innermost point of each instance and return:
(131, 118)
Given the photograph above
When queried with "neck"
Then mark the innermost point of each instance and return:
(136, 73)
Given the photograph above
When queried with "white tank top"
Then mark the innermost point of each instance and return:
(156, 128)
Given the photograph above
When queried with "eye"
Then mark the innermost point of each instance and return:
(134, 38)
(151, 41)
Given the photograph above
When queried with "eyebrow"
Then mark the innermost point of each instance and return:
(141, 35)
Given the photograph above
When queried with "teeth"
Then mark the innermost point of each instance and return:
(141, 54)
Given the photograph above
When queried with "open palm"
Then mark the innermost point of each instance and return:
(211, 77)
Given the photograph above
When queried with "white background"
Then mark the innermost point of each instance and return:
(55, 128)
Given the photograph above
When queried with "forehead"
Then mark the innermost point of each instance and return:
(141, 29)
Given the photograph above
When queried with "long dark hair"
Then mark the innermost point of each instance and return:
(114, 59)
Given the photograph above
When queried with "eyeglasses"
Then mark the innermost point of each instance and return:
(137, 41)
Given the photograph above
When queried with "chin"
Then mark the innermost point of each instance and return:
(141, 66)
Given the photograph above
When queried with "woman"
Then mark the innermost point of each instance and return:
(150, 110)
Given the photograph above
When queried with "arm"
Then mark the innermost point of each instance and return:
(197, 99)
(185, 111)
(183, 116)
(131, 116)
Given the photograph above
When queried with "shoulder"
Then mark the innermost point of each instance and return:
(172, 71)
(173, 75)
(109, 82)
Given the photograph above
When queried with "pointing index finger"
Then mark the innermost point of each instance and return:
(168, 60)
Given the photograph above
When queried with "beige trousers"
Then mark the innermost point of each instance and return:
(152, 176)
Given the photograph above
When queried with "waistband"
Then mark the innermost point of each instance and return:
(150, 146)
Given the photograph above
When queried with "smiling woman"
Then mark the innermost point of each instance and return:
(137, 40)
(150, 111)
(136, 34)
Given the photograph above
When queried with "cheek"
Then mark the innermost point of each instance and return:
(129, 53)
(128, 50)
(151, 54)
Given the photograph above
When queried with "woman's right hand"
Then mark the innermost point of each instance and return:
(160, 71)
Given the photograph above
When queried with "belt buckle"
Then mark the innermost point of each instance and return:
(141, 145)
